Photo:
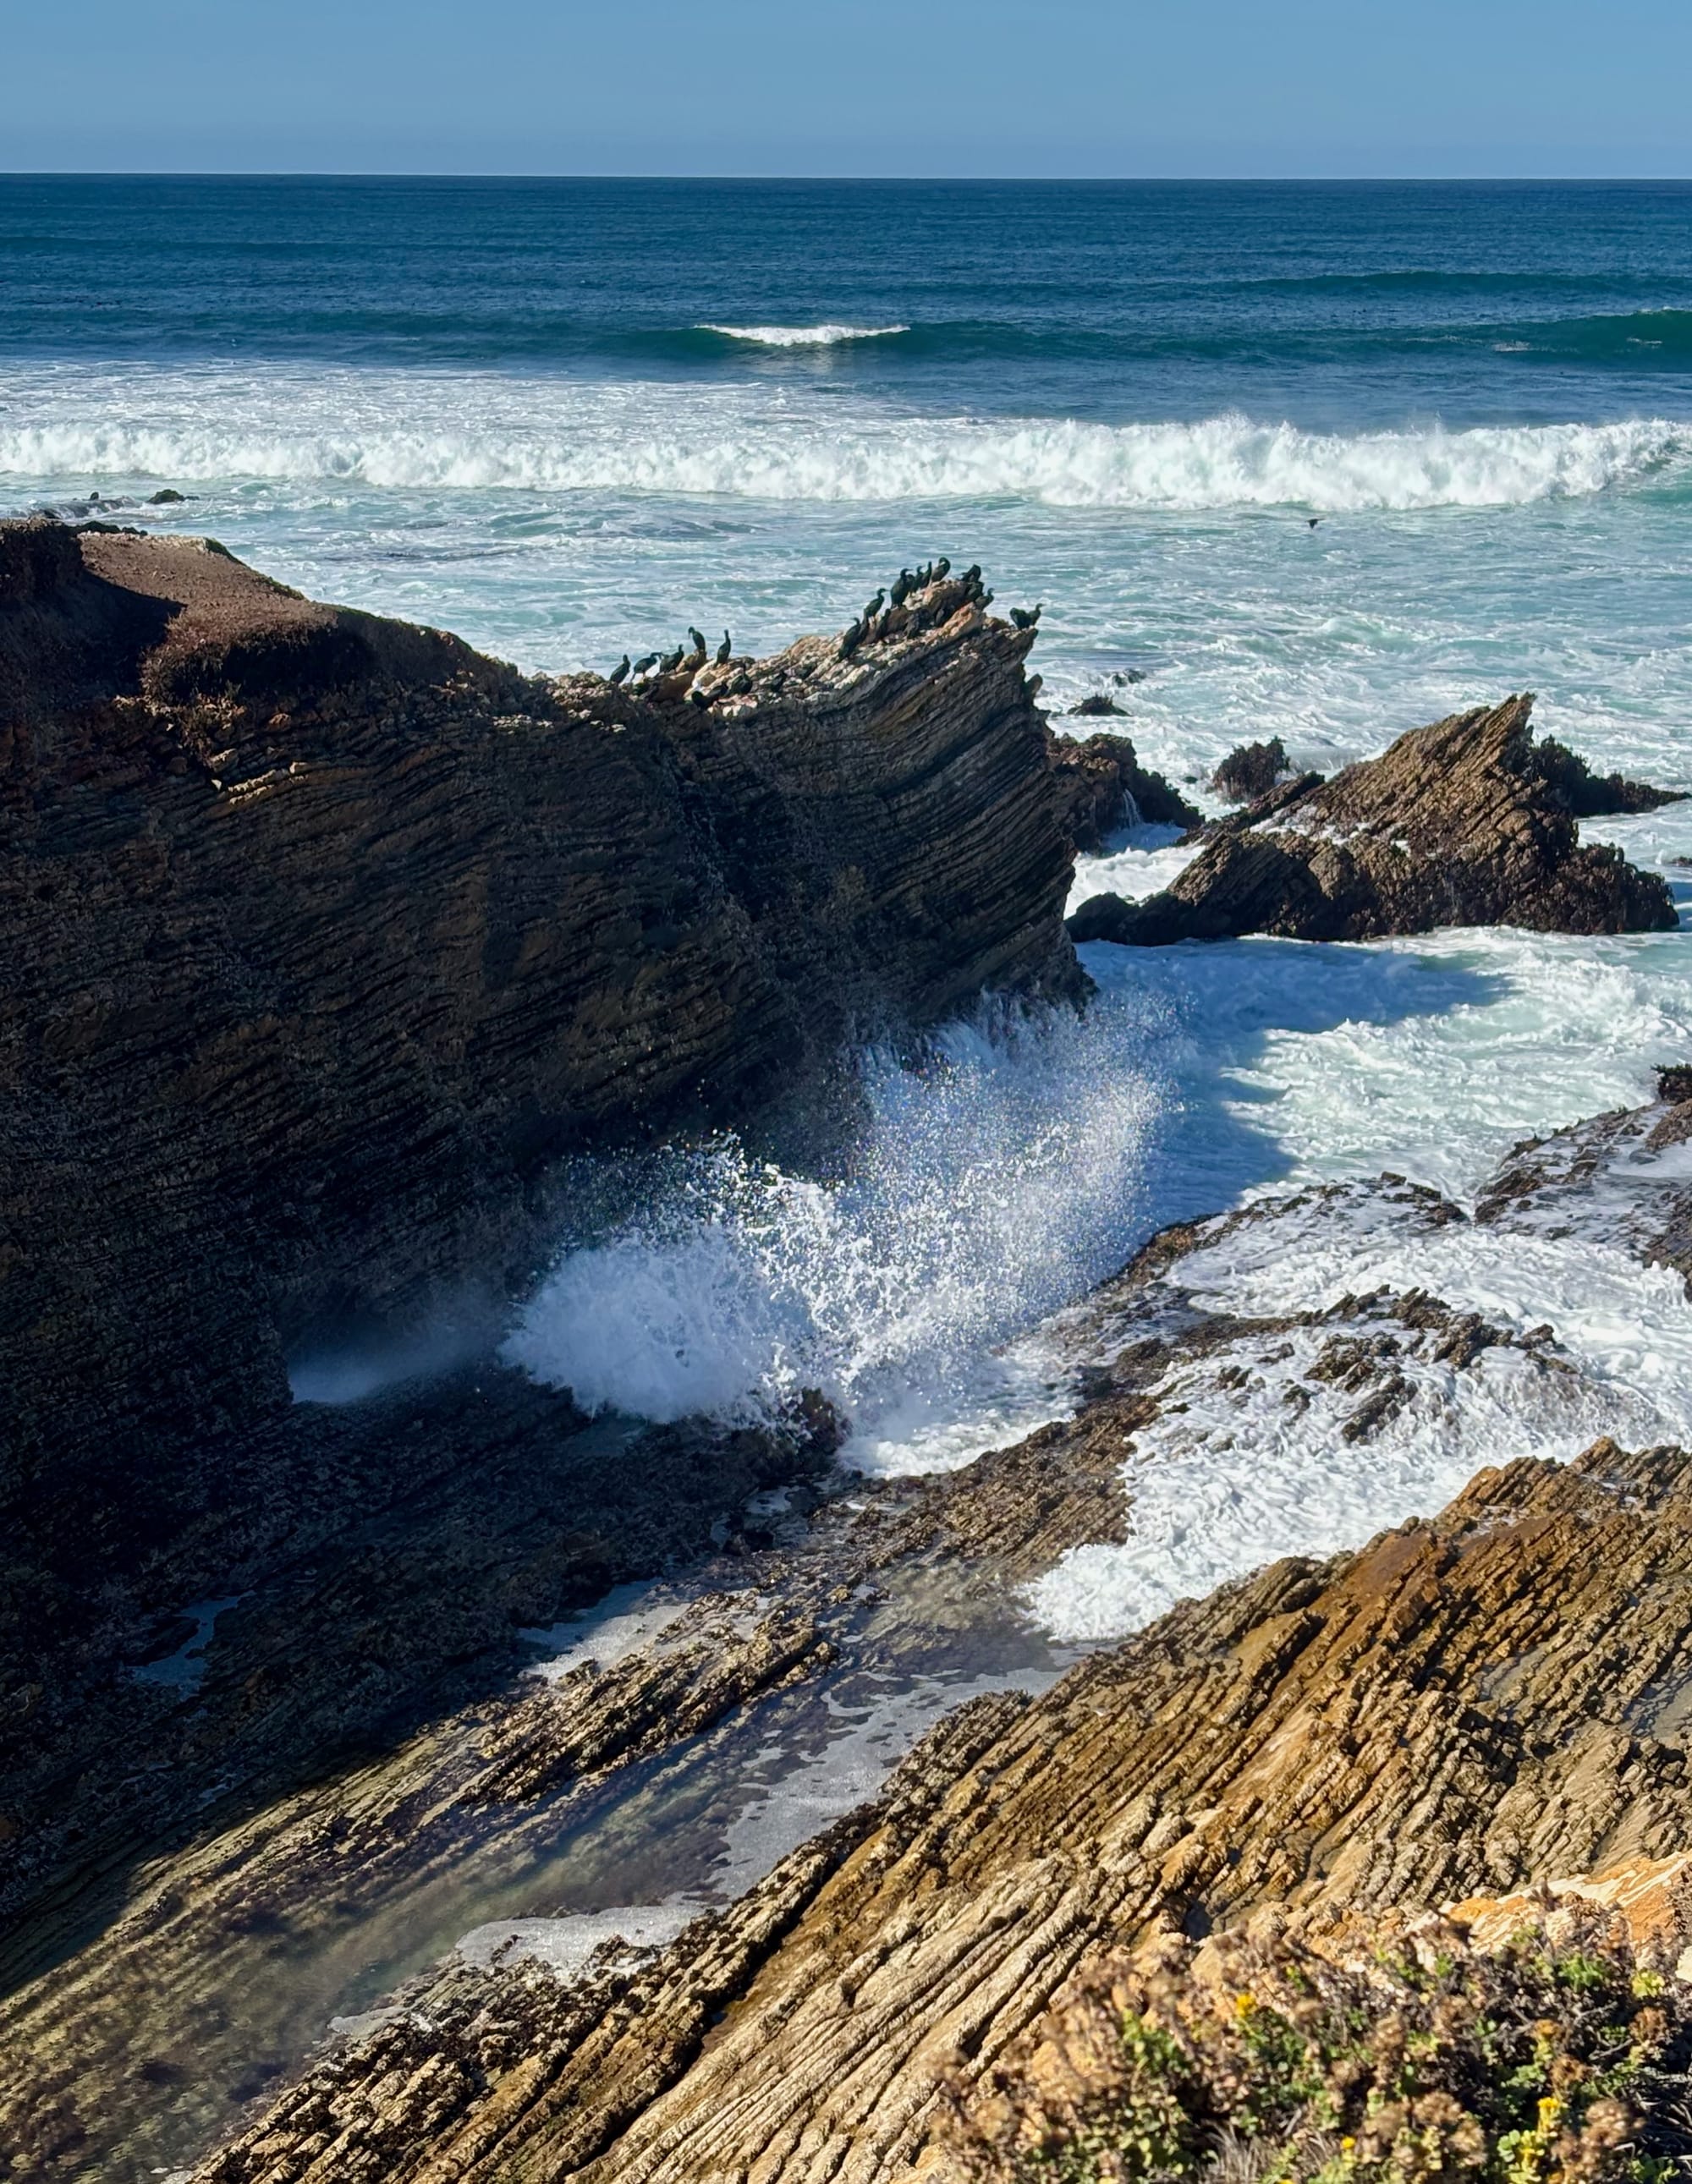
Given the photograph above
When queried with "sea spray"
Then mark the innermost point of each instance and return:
(995, 1181)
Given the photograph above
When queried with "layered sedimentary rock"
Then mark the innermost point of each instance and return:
(1547, 2031)
(1468, 822)
(1467, 1706)
(325, 935)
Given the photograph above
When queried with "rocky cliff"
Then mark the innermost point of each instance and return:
(1467, 1705)
(1470, 821)
(326, 936)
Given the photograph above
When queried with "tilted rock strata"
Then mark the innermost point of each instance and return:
(325, 935)
(1464, 1705)
(1467, 822)
(1562, 2041)
(481, 1790)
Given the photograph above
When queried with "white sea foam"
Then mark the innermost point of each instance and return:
(1227, 1479)
(1230, 1476)
(483, 431)
(992, 1186)
(820, 337)
(566, 1946)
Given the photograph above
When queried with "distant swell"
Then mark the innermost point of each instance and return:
(822, 337)
(484, 432)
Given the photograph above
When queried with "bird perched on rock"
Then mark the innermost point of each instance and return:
(1025, 617)
(943, 569)
(645, 666)
(903, 586)
(671, 661)
(972, 574)
(851, 638)
(875, 606)
(696, 638)
(619, 671)
(725, 651)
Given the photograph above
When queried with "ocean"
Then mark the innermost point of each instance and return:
(569, 418)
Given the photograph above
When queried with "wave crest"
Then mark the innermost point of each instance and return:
(480, 432)
(825, 336)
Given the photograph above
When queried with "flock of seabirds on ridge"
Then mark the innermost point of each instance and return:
(905, 586)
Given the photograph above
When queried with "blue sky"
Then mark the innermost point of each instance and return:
(1224, 87)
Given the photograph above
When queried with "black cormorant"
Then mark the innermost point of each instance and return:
(725, 651)
(619, 670)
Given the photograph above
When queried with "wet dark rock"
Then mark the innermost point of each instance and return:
(1098, 704)
(1338, 1742)
(1103, 784)
(327, 936)
(1467, 822)
(166, 497)
(1588, 795)
(1250, 771)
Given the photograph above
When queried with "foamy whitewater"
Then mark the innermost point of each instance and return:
(568, 419)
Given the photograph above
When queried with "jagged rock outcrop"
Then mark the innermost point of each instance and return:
(1467, 822)
(1102, 784)
(325, 935)
(1466, 1708)
(1250, 771)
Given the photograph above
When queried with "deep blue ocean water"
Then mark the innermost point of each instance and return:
(569, 418)
(1336, 304)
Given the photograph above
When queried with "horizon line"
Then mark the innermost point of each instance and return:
(970, 181)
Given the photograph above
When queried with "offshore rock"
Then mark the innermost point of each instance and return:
(325, 935)
(1103, 784)
(1250, 771)
(1468, 822)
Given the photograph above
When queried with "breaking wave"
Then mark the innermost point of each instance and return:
(825, 336)
(487, 431)
(996, 1182)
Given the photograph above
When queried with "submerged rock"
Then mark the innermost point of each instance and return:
(1468, 822)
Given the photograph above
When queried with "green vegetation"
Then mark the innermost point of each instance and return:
(1545, 2062)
